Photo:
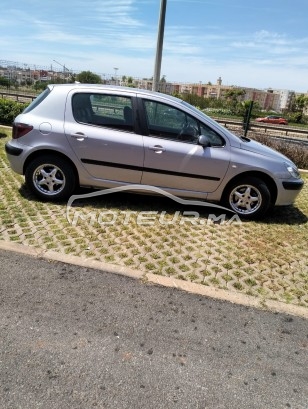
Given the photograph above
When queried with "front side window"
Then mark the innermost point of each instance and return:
(165, 121)
(214, 138)
(111, 111)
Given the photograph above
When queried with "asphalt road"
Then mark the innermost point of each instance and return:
(77, 338)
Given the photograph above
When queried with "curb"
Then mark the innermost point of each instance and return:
(194, 288)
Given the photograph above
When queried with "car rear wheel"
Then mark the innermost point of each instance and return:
(50, 178)
(249, 198)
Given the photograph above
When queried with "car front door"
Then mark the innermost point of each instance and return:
(173, 157)
(100, 128)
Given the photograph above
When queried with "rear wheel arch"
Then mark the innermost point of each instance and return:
(40, 153)
(50, 175)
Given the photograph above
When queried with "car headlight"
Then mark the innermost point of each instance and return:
(293, 171)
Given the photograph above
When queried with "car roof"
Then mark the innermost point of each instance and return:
(83, 86)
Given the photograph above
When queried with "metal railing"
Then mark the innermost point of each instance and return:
(17, 96)
(271, 130)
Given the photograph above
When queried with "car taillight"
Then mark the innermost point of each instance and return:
(20, 130)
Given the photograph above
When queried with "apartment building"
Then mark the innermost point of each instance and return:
(276, 100)
(286, 98)
(270, 99)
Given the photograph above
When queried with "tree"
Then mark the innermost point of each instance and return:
(40, 85)
(72, 78)
(196, 100)
(234, 96)
(298, 108)
(4, 81)
(88, 77)
(299, 103)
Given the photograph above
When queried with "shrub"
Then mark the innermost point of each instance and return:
(220, 111)
(295, 117)
(9, 110)
(298, 153)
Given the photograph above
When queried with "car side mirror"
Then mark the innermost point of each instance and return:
(204, 141)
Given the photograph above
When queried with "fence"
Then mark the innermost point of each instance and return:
(17, 97)
(272, 130)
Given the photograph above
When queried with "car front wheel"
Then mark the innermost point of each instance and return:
(50, 178)
(249, 198)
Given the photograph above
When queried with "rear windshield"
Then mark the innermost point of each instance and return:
(37, 100)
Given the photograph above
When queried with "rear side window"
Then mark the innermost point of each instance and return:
(37, 100)
(111, 111)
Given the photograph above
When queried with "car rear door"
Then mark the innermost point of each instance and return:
(101, 130)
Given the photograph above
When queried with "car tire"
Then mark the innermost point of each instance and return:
(250, 198)
(50, 178)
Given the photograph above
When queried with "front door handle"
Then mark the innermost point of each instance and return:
(157, 148)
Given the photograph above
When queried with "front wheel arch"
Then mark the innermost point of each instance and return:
(249, 195)
(270, 183)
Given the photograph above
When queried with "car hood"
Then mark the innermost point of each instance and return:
(259, 148)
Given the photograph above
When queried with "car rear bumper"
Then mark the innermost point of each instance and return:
(12, 150)
(15, 155)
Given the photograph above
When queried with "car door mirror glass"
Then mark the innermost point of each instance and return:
(204, 141)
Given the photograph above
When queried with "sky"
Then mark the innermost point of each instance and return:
(259, 44)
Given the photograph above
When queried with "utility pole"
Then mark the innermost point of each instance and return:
(159, 48)
(115, 75)
(64, 68)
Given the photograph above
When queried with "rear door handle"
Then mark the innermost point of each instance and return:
(80, 136)
(157, 148)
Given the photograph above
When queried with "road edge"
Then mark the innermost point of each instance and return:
(199, 289)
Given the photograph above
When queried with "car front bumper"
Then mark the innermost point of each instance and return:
(288, 191)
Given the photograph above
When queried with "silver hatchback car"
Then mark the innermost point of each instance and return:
(104, 136)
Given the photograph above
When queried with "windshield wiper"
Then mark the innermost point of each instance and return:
(245, 139)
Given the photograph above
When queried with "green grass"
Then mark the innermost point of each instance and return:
(266, 259)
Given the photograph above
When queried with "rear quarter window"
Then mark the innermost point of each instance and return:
(37, 100)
